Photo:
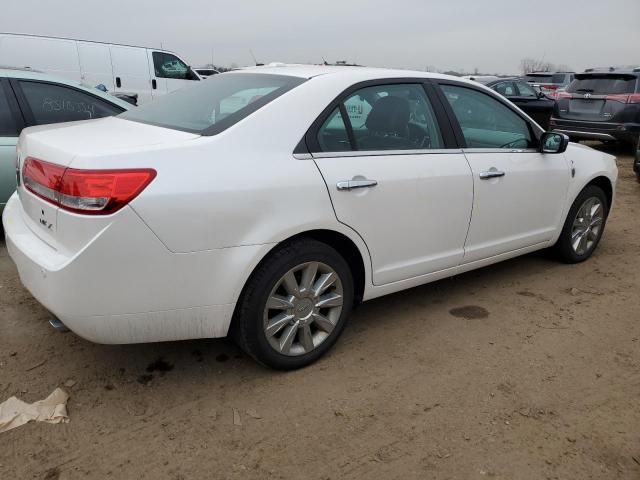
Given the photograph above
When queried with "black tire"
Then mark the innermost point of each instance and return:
(563, 246)
(247, 326)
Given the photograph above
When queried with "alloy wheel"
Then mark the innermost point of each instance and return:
(587, 226)
(303, 308)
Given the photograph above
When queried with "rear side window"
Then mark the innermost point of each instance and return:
(526, 90)
(8, 126)
(55, 103)
(603, 84)
(383, 117)
(208, 108)
(486, 122)
(558, 78)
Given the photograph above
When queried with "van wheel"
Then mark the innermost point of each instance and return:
(584, 226)
(295, 305)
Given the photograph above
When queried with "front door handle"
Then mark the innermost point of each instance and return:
(491, 173)
(352, 184)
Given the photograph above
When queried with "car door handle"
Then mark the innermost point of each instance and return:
(352, 184)
(491, 173)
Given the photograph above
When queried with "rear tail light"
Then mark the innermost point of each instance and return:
(625, 98)
(550, 87)
(91, 192)
(560, 95)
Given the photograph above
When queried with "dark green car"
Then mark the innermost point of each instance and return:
(29, 98)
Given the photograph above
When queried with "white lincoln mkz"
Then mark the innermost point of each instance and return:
(266, 203)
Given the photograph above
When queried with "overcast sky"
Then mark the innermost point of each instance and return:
(491, 35)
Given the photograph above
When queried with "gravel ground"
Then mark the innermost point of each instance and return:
(538, 377)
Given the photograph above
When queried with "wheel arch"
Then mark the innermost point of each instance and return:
(605, 184)
(354, 252)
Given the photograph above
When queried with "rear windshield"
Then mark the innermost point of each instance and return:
(210, 107)
(543, 78)
(603, 84)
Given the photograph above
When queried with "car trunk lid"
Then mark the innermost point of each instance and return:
(54, 148)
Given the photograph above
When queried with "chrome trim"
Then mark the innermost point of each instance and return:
(574, 133)
(352, 184)
(491, 173)
(379, 153)
(303, 156)
(499, 150)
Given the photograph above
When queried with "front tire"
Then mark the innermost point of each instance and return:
(295, 305)
(584, 225)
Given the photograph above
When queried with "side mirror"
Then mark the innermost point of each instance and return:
(541, 95)
(553, 142)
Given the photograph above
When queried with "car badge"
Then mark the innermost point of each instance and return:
(587, 96)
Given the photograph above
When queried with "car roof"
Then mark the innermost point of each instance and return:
(355, 72)
(30, 74)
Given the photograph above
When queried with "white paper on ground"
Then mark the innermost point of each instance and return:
(15, 412)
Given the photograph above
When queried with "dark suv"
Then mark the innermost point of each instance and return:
(600, 105)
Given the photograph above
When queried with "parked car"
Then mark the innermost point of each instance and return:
(327, 186)
(206, 72)
(535, 104)
(147, 72)
(31, 98)
(550, 81)
(601, 105)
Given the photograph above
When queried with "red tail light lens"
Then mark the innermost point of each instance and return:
(625, 98)
(560, 95)
(91, 192)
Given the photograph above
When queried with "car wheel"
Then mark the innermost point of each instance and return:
(295, 305)
(584, 225)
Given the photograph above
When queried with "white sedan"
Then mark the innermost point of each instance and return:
(266, 203)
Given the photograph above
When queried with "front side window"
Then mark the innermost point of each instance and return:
(505, 88)
(8, 126)
(383, 117)
(167, 65)
(51, 103)
(485, 121)
(210, 107)
(526, 90)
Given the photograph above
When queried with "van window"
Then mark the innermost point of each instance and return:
(8, 127)
(51, 103)
(167, 65)
(210, 107)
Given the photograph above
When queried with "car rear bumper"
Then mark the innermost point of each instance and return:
(125, 286)
(625, 132)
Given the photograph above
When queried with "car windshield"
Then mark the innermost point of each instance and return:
(603, 84)
(210, 107)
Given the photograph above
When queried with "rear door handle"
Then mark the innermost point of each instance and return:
(353, 184)
(491, 173)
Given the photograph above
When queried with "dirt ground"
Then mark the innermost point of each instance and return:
(543, 385)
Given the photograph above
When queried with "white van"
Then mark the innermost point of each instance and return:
(147, 72)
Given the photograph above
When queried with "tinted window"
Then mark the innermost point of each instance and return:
(8, 126)
(486, 122)
(526, 90)
(558, 78)
(539, 78)
(167, 65)
(54, 103)
(389, 117)
(212, 106)
(505, 88)
(603, 84)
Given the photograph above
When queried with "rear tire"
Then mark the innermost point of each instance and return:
(295, 305)
(584, 226)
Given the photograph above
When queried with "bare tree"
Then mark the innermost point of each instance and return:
(528, 65)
